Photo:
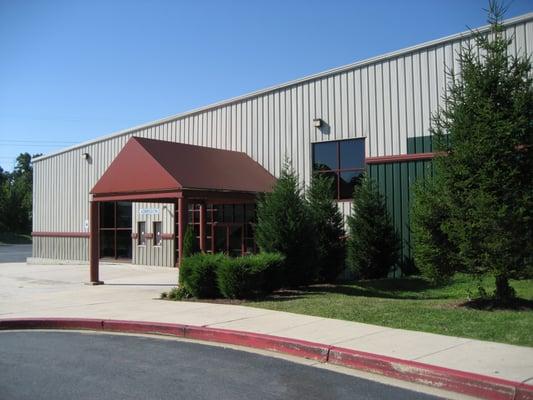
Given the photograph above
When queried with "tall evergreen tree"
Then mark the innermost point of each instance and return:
(486, 168)
(283, 226)
(328, 228)
(373, 246)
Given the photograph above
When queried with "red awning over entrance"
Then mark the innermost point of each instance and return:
(155, 169)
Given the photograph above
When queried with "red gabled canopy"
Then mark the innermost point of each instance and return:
(147, 166)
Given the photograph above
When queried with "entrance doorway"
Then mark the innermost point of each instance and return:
(115, 230)
(229, 238)
(228, 227)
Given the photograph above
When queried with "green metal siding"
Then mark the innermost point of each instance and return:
(421, 144)
(394, 181)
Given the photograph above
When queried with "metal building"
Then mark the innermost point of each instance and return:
(372, 115)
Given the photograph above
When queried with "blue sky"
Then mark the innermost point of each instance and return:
(71, 71)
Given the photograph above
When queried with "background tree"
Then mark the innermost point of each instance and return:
(16, 191)
(328, 228)
(373, 246)
(486, 171)
(283, 226)
(4, 193)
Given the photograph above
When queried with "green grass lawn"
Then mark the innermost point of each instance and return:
(14, 238)
(410, 303)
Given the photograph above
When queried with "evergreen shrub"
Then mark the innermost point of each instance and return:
(198, 274)
(328, 228)
(373, 246)
(244, 277)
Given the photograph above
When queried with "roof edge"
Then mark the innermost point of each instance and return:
(336, 70)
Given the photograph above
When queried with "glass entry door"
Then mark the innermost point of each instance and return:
(228, 238)
(115, 230)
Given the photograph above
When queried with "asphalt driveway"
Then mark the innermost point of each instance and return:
(97, 366)
(14, 252)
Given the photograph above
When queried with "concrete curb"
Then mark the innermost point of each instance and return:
(471, 384)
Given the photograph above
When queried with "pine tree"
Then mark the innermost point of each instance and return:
(434, 253)
(283, 226)
(486, 168)
(190, 245)
(373, 246)
(328, 229)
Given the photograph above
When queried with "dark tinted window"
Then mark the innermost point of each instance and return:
(325, 156)
(228, 213)
(124, 244)
(220, 239)
(344, 161)
(107, 215)
(352, 154)
(107, 243)
(235, 240)
(239, 212)
(347, 183)
(123, 214)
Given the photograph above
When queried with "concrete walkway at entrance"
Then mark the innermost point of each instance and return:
(132, 293)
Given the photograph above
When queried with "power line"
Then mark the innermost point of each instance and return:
(34, 141)
(32, 145)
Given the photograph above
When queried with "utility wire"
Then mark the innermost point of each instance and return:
(34, 141)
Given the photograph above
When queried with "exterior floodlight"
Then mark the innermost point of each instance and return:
(85, 156)
(317, 122)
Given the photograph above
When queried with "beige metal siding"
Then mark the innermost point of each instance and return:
(149, 254)
(386, 101)
(61, 248)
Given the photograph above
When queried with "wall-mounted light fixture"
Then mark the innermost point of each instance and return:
(317, 122)
(85, 156)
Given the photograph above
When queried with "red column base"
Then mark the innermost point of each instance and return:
(94, 283)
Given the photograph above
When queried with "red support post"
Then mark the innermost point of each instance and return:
(94, 238)
(183, 212)
(202, 227)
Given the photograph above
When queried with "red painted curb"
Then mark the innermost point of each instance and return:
(159, 328)
(481, 386)
(52, 323)
(300, 348)
(524, 392)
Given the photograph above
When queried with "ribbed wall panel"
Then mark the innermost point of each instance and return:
(150, 254)
(386, 101)
(61, 248)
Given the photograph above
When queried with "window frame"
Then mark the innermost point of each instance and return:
(337, 171)
(141, 236)
(157, 239)
(113, 229)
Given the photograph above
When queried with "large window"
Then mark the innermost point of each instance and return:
(344, 161)
(229, 228)
(115, 230)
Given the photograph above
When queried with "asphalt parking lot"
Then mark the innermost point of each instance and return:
(102, 366)
(14, 252)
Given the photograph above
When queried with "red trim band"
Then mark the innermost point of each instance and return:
(399, 158)
(62, 234)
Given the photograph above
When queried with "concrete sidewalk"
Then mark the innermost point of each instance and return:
(132, 292)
